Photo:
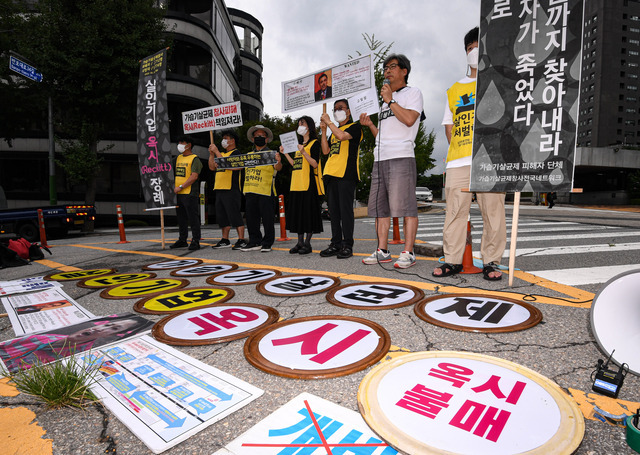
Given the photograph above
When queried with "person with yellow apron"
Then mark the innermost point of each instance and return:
(304, 210)
(187, 168)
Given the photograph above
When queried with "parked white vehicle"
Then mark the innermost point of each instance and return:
(424, 194)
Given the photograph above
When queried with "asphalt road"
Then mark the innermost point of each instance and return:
(562, 347)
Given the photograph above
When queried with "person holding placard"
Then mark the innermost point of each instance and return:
(458, 125)
(228, 188)
(340, 176)
(304, 211)
(259, 192)
(187, 167)
(394, 175)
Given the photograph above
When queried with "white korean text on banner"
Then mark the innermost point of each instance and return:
(527, 95)
(212, 118)
(337, 82)
(154, 143)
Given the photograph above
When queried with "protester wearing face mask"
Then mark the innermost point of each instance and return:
(340, 176)
(259, 194)
(228, 190)
(187, 168)
(303, 210)
(458, 124)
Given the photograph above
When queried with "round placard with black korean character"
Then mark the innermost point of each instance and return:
(183, 300)
(214, 324)
(143, 288)
(105, 281)
(172, 264)
(297, 285)
(478, 313)
(204, 269)
(242, 276)
(317, 347)
(77, 274)
(374, 296)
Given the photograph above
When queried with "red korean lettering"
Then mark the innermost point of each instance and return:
(455, 374)
(424, 401)
(493, 420)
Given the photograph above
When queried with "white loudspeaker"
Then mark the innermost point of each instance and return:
(615, 319)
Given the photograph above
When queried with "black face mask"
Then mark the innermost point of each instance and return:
(260, 141)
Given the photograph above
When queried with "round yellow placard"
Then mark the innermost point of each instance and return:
(185, 299)
(143, 288)
(78, 274)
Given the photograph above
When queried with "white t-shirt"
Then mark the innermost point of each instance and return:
(447, 119)
(395, 139)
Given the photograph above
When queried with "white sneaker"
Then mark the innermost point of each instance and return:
(378, 256)
(406, 260)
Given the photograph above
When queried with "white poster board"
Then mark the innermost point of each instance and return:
(364, 103)
(42, 311)
(294, 427)
(289, 142)
(37, 283)
(164, 396)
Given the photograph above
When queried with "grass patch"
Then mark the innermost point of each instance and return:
(64, 383)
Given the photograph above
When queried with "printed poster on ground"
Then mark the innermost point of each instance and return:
(339, 81)
(154, 142)
(162, 395)
(44, 310)
(526, 111)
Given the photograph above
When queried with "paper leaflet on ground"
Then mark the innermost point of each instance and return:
(291, 429)
(22, 285)
(162, 395)
(50, 346)
(44, 310)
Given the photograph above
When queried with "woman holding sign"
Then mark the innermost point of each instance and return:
(304, 214)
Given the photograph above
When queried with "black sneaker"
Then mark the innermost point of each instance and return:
(240, 244)
(195, 244)
(180, 244)
(223, 243)
(265, 249)
(331, 251)
(345, 253)
(251, 247)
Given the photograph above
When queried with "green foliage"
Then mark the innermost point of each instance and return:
(64, 383)
(80, 163)
(634, 185)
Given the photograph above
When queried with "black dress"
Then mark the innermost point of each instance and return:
(304, 208)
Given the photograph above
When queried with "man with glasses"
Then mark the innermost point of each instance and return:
(341, 175)
(393, 180)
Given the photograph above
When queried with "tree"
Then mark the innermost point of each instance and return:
(423, 144)
(88, 52)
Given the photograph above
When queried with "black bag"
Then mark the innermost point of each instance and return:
(9, 258)
(35, 251)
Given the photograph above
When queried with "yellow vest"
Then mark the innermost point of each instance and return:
(183, 171)
(301, 171)
(339, 155)
(223, 177)
(259, 179)
(462, 103)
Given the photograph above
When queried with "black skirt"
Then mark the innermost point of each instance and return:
(304, 211)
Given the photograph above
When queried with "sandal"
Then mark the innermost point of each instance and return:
(491, 267)
(448, 270)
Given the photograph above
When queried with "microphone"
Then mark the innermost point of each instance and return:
(386, 82)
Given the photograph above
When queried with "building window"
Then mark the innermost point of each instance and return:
(634, 30)
(631, 110)
(634, 41)
(632, 99)
(633, 53)
(632, 87)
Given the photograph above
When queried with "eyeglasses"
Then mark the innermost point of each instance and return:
(340, 109)
(390, 67)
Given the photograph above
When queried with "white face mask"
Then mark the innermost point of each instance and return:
(182, 148)
(302, 130)
(340, 116)
(472, 57)
(225, 143)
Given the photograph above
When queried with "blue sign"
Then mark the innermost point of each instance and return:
(24, 69)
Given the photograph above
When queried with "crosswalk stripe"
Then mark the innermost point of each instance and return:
(576, 249)
(612, 235)
(584, 275)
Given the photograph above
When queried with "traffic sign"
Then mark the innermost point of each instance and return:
(24, 69)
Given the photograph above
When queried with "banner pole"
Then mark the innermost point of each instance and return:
(514, 235)
(211, 136)
(324, 108)
(162, 226)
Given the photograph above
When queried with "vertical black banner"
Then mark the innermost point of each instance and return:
(527, 95)
(154, 143)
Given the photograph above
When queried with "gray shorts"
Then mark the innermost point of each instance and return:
(393, 188)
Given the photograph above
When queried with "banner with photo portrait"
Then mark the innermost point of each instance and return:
(527, 96)
(154, 142)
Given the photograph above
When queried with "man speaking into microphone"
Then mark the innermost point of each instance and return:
(393, 179)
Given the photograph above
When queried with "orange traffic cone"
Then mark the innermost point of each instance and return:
(467, 259)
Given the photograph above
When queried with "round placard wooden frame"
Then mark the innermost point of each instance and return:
(177, 271)
(83, 283)
(255, 358)
(211, 279)
(139, 306)
(159, 333)
(535, 315)
(105, 292)
(565, 441)
(260, 287)
(331, 298)
(51, 275)
(148, 267)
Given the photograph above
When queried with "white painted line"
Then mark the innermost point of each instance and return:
(560, 250)
(586, 275)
